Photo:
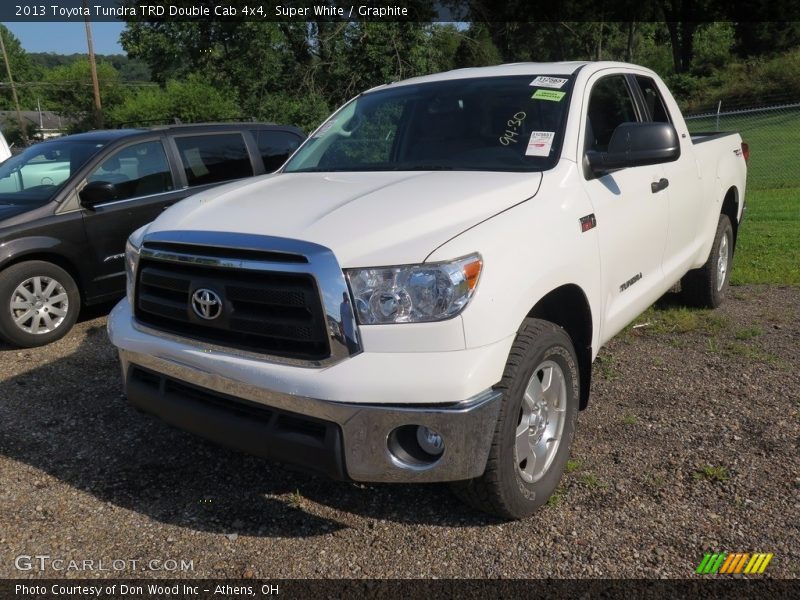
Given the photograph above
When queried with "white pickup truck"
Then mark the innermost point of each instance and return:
(419, 293)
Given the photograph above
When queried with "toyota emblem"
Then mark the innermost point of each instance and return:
(206, 304)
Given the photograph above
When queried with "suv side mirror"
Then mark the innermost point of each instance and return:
(637, 144)
(97, 192)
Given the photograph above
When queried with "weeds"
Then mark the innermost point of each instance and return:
(713, 474)
(591, 481)
(572, 466)
(747, 333)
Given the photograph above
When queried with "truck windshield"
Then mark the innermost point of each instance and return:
(488, 124)
(33, 177)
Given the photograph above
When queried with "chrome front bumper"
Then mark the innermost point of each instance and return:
(467, 427)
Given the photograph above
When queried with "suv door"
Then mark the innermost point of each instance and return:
(631, 218)
(145, 185)
(211, 158)
(275, 146)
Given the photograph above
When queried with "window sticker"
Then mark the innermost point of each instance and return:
(325, 128)
(539, 143)
(551, 95)
(549, 82)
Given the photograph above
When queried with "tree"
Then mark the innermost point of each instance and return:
(68, 91)
(22, 70)
(191, 100)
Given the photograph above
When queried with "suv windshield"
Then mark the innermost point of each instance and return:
(487, 124)
(33, 177)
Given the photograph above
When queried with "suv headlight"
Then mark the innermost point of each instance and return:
(414, 293)
(132, 247)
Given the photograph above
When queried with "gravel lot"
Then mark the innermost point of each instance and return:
(690, 443)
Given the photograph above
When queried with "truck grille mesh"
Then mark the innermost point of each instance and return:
(269, 312)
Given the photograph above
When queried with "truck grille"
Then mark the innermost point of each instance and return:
(269, 312)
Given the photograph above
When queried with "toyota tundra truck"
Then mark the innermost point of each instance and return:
(418, 294)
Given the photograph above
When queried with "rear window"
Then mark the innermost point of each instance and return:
(212, 158)
(275, 147)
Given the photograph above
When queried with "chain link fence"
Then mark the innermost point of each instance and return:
(772, 134)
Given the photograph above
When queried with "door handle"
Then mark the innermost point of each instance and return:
(659, 185)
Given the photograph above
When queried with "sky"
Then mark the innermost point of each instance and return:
(67, 38)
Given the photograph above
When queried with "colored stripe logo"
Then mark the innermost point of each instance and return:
(722, 563)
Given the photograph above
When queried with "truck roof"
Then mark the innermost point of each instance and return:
(521, 68)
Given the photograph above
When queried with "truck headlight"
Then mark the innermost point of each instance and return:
(414, 293)
(132, 247)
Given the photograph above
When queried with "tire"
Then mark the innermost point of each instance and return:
(511, 487)
(707, 286)
(39, 303)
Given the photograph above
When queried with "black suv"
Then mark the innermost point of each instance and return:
(68, 205)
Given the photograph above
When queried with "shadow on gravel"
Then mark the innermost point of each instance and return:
(69, 419)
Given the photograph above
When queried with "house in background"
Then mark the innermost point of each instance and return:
(41, 125)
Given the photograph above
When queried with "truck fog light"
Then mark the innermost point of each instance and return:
(415, 447)
(430, 441)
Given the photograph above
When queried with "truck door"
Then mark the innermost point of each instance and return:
(685, 197)
(631, 218)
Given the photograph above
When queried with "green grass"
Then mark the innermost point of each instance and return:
(773, 138)
(768, 248)
(592, 481)
(680, 319)
(747, 333)
(557, 497)
(713, 474)
(605, 361)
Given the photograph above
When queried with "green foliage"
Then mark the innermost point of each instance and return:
(22, 70)
(752, 82)
(129, 69)
(191, 100)
(713, 43)
(280, 107)
(69, 91)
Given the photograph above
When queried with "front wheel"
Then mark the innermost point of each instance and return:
(536, 424)
(39, 303)
(707, 286)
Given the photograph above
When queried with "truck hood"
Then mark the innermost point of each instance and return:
(366, 218)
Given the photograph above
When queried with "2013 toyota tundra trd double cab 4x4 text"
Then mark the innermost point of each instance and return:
(418, 294)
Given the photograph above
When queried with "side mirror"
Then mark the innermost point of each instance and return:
(635, 145)
(97, 192)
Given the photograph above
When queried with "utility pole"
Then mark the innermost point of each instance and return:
(98, 108)
(22, 130)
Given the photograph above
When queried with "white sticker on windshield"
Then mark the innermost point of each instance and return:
(550, 82)
(324, 128)
(540, 143)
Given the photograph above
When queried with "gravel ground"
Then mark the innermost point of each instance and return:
(690, 444)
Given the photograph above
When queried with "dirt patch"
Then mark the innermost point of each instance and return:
(689, 444)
